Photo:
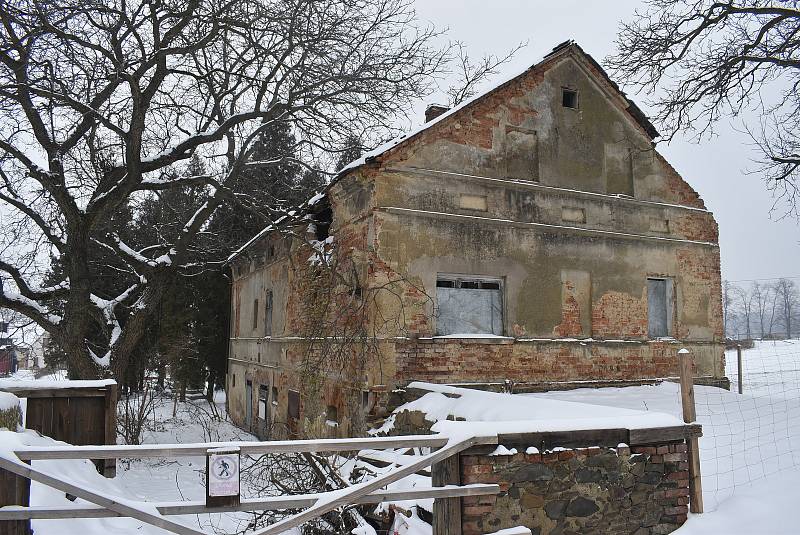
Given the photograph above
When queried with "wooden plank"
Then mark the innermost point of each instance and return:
(110, 428)
(14, 492)
(264, 504)
(124, 509)
(661, 435)
(689, 416)
(695, 482)
(247, 448)
(348, 495)
(447, 511)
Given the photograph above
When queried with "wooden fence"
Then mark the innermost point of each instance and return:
(316, 505)
(79, 413)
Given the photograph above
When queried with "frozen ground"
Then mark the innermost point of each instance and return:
(750, 449)
(751, 467)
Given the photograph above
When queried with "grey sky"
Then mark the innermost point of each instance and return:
(753, 243)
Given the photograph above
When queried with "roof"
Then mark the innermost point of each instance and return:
(564, 48)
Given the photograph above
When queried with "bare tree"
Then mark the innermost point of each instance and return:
(788, 299)
(102, 101)
(706, 59)
(745, 299)
(761, 296)
(469, 74)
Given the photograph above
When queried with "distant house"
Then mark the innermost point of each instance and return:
(8, 353)
(531, 235)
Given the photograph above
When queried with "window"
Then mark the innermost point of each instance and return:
(293, 408)
(569, 98)
(263, 392)
(275, 395)
(255, 314)
(268, 314)
(659, 307)
(332, 413)
(3, 327)
(468, 305)
(233, 380)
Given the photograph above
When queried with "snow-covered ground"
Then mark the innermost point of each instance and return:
(750, 449)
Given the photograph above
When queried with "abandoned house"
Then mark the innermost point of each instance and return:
(531, 235)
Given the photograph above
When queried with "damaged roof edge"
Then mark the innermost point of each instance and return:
(372, 156)
(564, 48)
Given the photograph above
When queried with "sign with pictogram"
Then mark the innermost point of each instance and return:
(222, 474)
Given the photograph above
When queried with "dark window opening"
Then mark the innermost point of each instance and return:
(268, 314)
(332, 413)
(293, 406)
(322, 223)
(255, 314)
(445, 284)
(233, 380)
(569, 98)
(357, 292)
(274, 395)
(271, 251)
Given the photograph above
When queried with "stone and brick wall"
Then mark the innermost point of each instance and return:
(642, 490)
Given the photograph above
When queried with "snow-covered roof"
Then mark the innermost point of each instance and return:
(47, 384)
(563, 48)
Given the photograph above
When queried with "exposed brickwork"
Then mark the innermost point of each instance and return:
(619, 315)
(461, 361)
(641, 490)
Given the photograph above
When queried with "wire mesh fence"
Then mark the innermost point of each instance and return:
(749, 437)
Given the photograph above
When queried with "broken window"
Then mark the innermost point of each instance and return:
(468, 305)
(255, 314)
(659, 307)
(569, 98)
(268, 314)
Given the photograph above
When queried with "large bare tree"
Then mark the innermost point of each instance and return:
(702, 60)
(101, 101)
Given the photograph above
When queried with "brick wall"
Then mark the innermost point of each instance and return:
(641, 490)
(453, 360)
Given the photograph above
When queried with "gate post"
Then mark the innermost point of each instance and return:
(447, 511)
(689, 416)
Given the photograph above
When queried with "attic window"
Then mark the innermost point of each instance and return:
(569, 98)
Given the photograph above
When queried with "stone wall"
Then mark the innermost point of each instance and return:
(640, 490)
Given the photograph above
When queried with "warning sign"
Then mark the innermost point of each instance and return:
(223, 473)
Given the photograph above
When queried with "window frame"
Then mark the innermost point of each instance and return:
(472, 282)
(669, 306)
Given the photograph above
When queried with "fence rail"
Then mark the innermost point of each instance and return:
(315, 505)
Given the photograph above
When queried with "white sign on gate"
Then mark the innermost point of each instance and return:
(223, 472)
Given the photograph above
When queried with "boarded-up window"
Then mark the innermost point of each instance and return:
(467, 305)
(659, 307)
(255, 314)
(294, 404)
(268, 314)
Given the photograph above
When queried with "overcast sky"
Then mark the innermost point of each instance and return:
(754, 244)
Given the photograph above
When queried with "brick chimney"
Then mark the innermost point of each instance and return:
(433, 111)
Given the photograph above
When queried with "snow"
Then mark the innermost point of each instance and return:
(45, 384)
(8, 401)
(480, 336)
(492, 413)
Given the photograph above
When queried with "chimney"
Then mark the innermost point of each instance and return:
(433, 111)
